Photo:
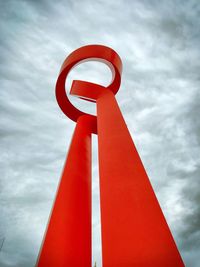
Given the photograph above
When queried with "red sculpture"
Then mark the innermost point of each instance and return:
(134, 230)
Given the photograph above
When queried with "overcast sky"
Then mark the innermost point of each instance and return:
(158, 42)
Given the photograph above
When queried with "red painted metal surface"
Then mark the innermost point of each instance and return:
(134, 230)
(68, 238)
(83, 54)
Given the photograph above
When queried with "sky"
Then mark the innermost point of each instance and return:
(158, 42)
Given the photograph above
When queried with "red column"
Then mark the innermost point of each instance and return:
(68, 238)
(134, 230)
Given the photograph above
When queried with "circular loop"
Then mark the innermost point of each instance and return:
(87, 53)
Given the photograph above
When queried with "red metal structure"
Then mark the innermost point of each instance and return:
(134, 230)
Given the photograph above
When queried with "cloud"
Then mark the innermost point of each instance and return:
(158, 42)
